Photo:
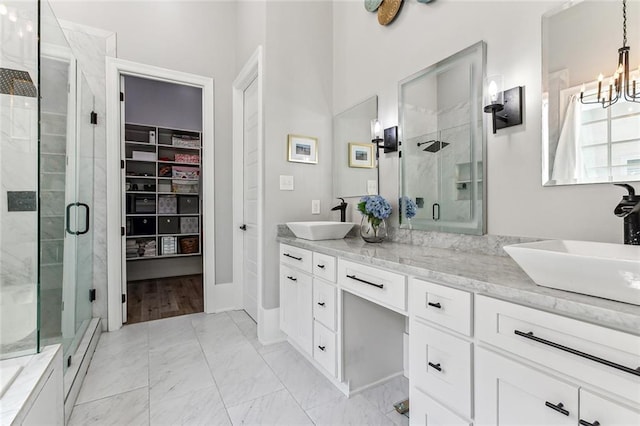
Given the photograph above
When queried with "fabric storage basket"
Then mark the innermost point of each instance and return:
(144, 204)
(164, 186)
(143, 225)
(186, 141)
(188, 204)
(168, 245)
(187, 158)
(186, 172)
(184, 187)
(167, 204)
(189, 225)
(168, 225)
(189, 245)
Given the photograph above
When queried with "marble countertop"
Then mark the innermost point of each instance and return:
(496, 276)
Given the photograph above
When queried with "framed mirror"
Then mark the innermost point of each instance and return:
(442, 163)
(587, 143)
(355, 166)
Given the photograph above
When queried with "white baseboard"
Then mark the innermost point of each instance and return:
(221, 297)
(269, 326)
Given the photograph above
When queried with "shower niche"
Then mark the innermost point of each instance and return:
(443, 144)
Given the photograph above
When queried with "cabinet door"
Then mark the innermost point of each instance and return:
(510, 393)
(426, 411)
(288, 296)
(296, 311)
(595, 410)
(304, 313)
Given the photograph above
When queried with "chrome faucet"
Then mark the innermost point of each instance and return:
(343, 210)
(629, 210)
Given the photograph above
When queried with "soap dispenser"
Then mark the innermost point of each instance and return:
(629, 209)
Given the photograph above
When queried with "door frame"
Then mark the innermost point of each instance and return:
(252, 70)
(115, 242)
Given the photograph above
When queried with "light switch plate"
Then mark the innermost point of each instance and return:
(315, 206)
(372, 187)
(286, 183)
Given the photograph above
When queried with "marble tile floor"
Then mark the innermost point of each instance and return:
(210, 369)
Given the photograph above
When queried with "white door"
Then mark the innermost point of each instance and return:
(250, 200)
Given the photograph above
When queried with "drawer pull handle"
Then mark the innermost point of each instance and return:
(529, 335)
(322, 348)
(292, 278)
(353, 277)
(293, 257)
(558, 407)
(435, 305)
(586, 423)
(321, 266)
(320, 303)
(435, 366)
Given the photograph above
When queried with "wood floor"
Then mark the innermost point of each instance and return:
(163, 298)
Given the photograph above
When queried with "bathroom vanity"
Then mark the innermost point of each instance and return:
(479, 341)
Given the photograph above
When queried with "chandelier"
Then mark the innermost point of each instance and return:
(620, 84)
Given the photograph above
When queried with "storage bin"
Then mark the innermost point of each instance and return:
(164, 186)
(168, 225)
(143, 155)
(188, 204)
(143, 225)
(186, 141)
(167, 204)
(189, 225)
(184, 187)
(165, 171)
(189, 245)
(137, 204)
(187, 158)
(168, 245)
(186, 172)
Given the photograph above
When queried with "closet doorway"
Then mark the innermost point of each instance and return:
(164, 136)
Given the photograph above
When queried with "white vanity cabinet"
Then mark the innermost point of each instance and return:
(441, 353)
(296, 295)
(550, 369)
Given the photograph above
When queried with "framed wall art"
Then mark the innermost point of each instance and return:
(361, 155)
(302, 149)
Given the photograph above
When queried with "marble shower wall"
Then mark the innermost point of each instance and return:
(19, 172)
(91, 46)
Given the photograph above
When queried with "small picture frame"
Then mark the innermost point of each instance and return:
(361, 155)
(302, 149)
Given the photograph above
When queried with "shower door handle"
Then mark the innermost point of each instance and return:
(87, 215)
(435, 211)
(68, 219)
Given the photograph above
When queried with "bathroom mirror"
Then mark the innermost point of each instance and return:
(443, 145)
(586, 143)
(355, 167)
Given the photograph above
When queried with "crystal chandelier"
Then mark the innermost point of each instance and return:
(621, 86)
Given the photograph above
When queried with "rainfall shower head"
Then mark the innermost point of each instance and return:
(436, 146)
(17, 83)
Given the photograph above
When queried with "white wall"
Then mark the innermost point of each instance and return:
(298, 82)
(370, 59)
(191, 36)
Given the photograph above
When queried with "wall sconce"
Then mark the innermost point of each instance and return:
(387, 140)
(505, 107)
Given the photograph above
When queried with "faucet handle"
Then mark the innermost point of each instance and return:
(631, 189)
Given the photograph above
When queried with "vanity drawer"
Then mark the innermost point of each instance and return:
(324, 266)
(324, 347)
(296, 257)
(427, 412)
(324, 303)
(441, 363)
(386, 287)
(547, 338)
(445, 306)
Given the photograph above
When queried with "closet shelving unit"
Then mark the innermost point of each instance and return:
(151, 180)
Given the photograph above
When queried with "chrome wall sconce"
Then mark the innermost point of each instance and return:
(505, 106)
(387, 139)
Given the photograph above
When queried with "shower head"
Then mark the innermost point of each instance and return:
(436, 146)
(17, 83)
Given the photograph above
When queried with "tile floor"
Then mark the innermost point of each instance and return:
(204, 369)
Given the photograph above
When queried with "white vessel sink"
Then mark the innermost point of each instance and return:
(320, 230)
(611, 271)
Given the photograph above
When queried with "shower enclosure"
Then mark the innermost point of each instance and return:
(47, 182)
